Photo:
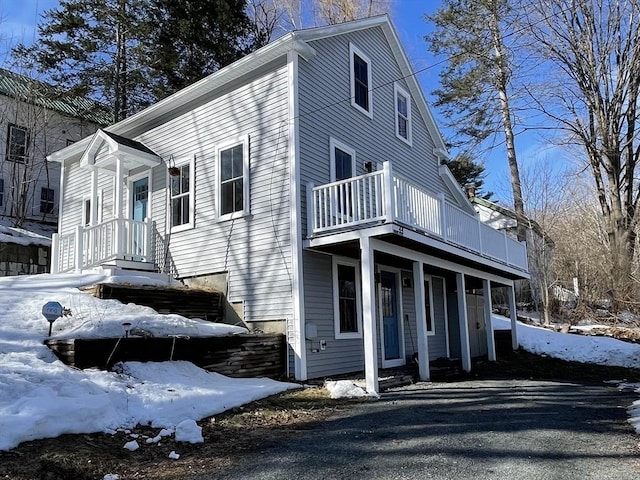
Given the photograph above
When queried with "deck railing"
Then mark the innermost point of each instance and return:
(383, 197)
(93, 245)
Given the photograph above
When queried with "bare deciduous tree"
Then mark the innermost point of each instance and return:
(338, 11)
(593, 49)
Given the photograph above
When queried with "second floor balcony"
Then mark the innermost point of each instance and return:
(385, 197)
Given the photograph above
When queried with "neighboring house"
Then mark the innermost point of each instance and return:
(539, 248)
(35, 120)
(303, 180)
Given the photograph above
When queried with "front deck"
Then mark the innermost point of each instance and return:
(383, 197)
(92, 246)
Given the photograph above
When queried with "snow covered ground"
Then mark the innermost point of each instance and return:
(41, 397)
(579, 348)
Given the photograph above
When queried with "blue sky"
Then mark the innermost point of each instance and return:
(19, 17)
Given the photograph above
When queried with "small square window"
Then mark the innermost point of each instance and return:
(17, 144)
(47, 196)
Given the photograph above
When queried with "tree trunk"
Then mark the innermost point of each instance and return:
(501, 86)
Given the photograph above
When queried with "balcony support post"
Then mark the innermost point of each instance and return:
(55, 253)
(488, 320)
(389, 199)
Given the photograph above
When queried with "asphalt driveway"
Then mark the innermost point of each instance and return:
(485, 429)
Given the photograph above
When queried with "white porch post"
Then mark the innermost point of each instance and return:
(93, 214)
(514, 316)
(148, 230)
(491, 344)
(465, 349)
(423, 344)
(79, 249)
(369, 315)
(120, 240)
(389, 198)
(55, 253)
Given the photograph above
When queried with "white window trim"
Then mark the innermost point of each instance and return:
(432, 332)
(244, 140)
(353, 49)
(336, 297)
(333, 144)
(192, 183)
(398, 90)
(86, 214)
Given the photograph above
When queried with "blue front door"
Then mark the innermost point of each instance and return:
(390, 325)
(139, 205)
(140, 191)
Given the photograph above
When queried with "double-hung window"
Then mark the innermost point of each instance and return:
(360, 73)
(428, 307)
(403, 114)
(47, 196)
(182, 194)
(17, 143)
(232, 160)
(347, 303)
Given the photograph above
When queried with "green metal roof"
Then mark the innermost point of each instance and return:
(47, 96)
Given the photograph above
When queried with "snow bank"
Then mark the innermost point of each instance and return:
(41, 397)
(572, 347)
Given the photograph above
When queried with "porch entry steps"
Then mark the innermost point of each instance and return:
(188, 302)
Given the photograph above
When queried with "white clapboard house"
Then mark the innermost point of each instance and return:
(305, 181)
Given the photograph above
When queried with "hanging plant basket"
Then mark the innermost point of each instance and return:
(174, 171)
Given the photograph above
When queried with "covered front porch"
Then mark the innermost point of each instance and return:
(373, 286)
(118, 232)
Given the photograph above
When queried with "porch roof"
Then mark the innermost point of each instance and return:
(132, 153)
(347, 244)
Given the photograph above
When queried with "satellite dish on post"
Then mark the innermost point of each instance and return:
(52, 311)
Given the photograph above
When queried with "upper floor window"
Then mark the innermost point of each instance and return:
(403, 113)
(17, 143)
(233, 178)
(360, 70)
(47, 196)
(347, 306)
(182, 194)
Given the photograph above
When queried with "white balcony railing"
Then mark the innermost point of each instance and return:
(382, 197)
(94, 245)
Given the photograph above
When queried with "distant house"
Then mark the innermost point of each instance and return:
(305, 182)
(35, 120)
(540, 245)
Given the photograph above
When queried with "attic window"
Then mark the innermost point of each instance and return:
(360, 68)
(403, 114)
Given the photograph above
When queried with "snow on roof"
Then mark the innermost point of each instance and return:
(32, 233)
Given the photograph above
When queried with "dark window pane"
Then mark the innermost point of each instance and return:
(344, 166)
(226, 165)
(237, 192)
(184, 175)
(347, 299)
(226, 198)
(361, 81)
(427, 307)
